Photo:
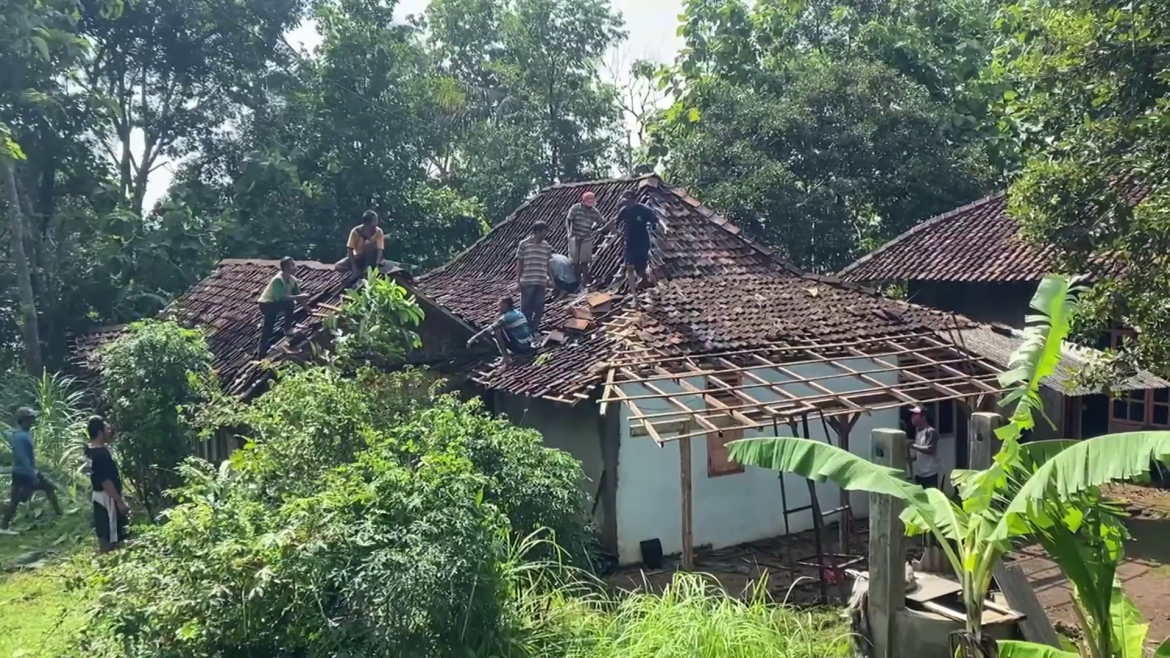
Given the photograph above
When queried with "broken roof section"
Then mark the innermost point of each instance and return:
(224, 305)
(718, 292)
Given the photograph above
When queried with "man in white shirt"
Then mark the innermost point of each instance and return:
(924, 450)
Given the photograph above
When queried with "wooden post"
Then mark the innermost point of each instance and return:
(688, 538)
(887, 550)
(982, 440)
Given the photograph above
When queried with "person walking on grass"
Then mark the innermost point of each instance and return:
(582, 220)
(534, 274)
(278, 301)
(26, 479)
(111, 514)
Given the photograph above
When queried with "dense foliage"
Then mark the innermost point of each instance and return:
(367, 517)
(1090, 90)
(151, 377)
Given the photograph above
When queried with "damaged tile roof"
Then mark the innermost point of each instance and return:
(716, 290)
(224, 305)
(978, 242)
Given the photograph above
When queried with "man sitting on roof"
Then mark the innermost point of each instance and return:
(582, 220)
(637, 221)
(278, 299)
(510, 331)
(365, 246)
(564, 275)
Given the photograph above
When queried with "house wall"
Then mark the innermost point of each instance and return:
(727, 509)
(1006, 303)
(576, 430)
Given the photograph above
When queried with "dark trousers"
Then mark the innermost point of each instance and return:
(22, 490)
(532, 305)
(271, 311)
(927, 481)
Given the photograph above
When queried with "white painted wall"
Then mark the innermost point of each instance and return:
(728, 509)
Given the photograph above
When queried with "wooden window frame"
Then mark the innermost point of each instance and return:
(717, 441)
(1128, 400)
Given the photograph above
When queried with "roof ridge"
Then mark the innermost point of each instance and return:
(921, 226)
(311, 264)
(784, 263)
(520, 208)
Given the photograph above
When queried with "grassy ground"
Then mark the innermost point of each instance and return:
(41, 611)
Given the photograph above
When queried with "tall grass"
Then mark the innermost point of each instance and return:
(564, 613)
(59, 433)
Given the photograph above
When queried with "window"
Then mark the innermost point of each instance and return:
(718, 460)
(1161, 407)
(942, 415)
(1143, 408)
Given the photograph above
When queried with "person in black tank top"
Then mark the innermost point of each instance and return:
(111, 514)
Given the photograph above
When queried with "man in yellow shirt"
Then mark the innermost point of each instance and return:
(365, 246)
(277, 300)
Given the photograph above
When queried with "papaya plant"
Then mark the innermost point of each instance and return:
(999, 504)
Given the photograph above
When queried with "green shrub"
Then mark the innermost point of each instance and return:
(150, 375)
(361, 520)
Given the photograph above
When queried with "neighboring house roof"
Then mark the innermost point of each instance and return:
(224, 305)
(979, 242)
(717, 290)
(997, 344)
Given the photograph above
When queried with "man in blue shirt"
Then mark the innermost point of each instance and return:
(510, 331)
(25, 477)
(637, 222)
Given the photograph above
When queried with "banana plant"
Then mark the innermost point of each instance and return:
(1000, 503)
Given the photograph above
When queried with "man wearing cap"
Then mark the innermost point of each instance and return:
(582, 220)
(25, 477)
(924, 450)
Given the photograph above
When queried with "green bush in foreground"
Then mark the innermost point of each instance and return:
(360, 522)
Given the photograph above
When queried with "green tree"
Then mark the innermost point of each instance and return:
(527, 106)
(826, 129)
(821, 159)
(150, 377)
(1089, 92)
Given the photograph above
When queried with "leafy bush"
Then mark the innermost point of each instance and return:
(361, 520)
(149, 376)
(376, 322)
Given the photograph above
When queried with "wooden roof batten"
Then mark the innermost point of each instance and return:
(926, 368)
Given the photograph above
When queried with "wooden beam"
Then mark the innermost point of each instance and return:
(944, 365)
(674, 401)
(1035, 626)
(688, 537)
(719, 404)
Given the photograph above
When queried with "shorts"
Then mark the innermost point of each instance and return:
(101, 524)
(23, 486)
(927, 481)
(637, 257)
(581, 250)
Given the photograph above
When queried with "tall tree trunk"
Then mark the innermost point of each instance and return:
(28, 302)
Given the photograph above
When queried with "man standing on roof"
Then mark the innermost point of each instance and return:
(582, 220)
(277, 300)
(25, 477)
(510, 331)
(534, 273)
(637, 221)
(365, 247)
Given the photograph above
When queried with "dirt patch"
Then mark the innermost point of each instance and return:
(739, 569)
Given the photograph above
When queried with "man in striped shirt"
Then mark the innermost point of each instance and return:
(582, 219)
(534, 273)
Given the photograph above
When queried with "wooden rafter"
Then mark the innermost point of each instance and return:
(928, 370)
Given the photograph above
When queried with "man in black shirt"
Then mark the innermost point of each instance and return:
(111, 514)
(637, 220)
